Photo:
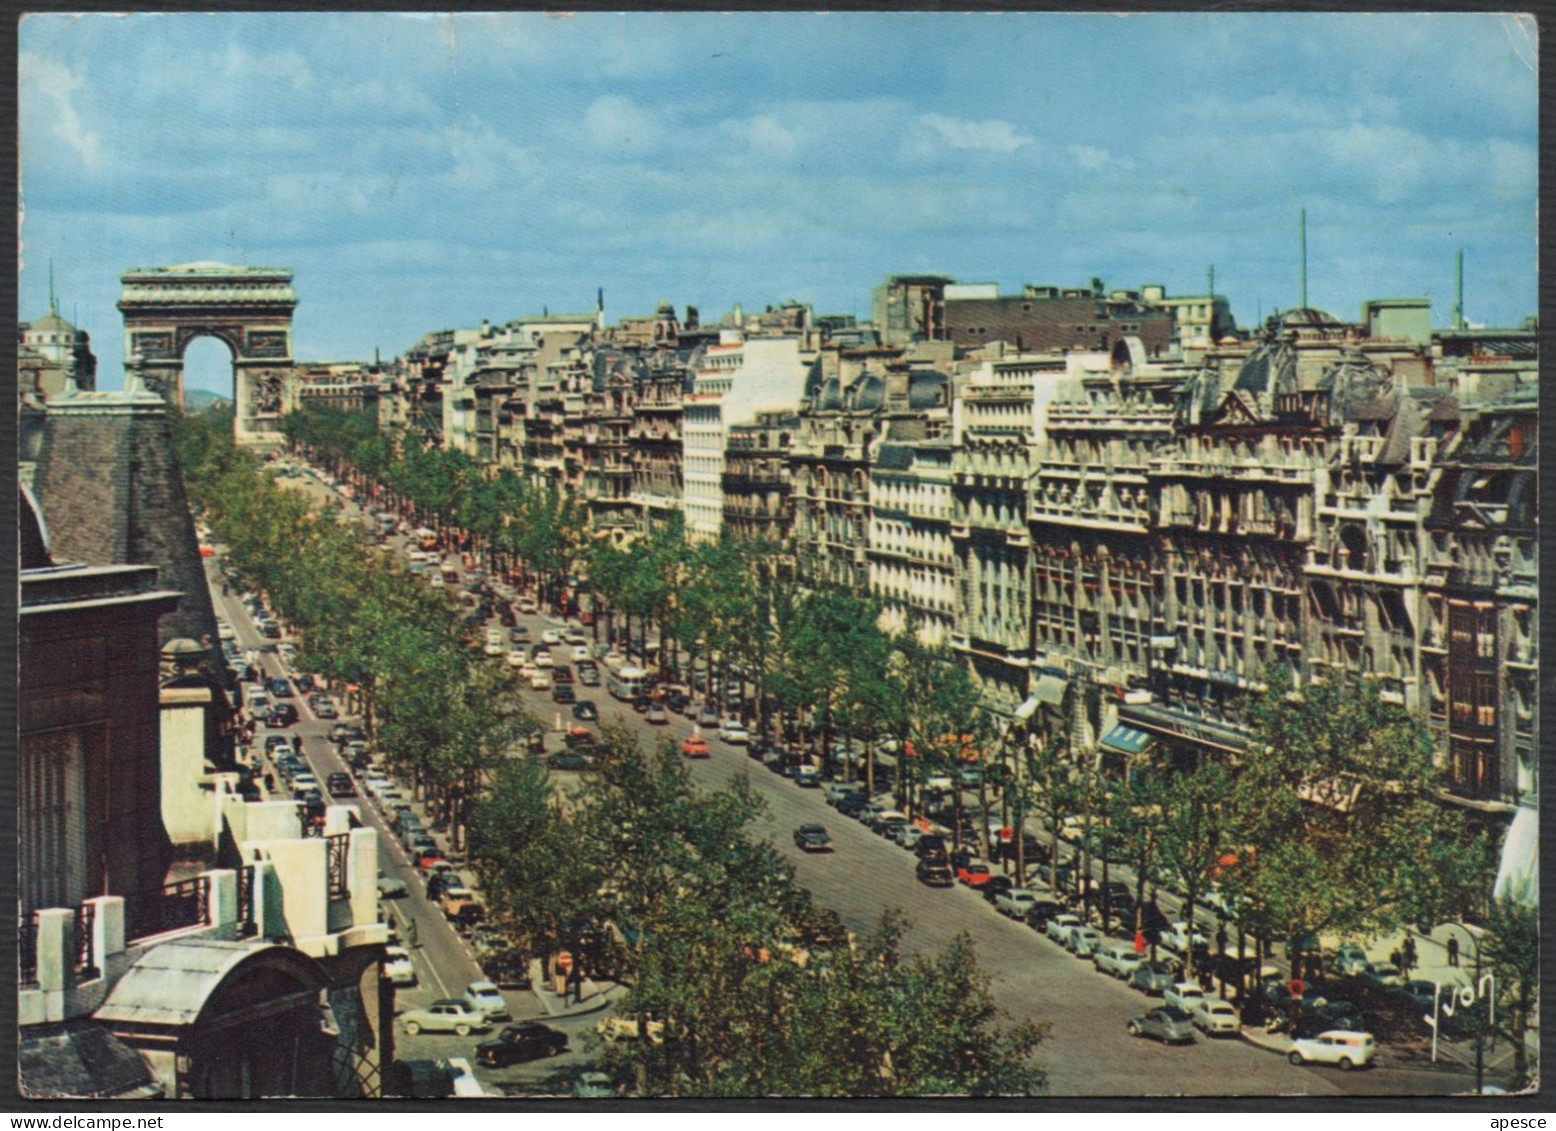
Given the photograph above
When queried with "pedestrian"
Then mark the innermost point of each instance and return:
(1407, 954)
(575, 980)
(1453, 951)
(1397, 958)
(412, 934)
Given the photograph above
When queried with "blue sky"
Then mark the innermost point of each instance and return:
(419, 172)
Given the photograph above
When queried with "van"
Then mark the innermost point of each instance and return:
(1341, 1047)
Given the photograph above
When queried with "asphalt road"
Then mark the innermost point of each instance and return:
(1087, 1051)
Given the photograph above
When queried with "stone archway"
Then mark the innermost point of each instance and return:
(248, 309)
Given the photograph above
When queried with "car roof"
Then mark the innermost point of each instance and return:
(481, 988)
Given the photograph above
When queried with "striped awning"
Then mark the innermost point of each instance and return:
(1128, 740)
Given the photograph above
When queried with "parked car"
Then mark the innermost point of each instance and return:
(1215, 1017)
(390, 887)
(1015, 902)
(528, 1040)
(1060, 926)
(733, 733)
(455, 899)
(1168, 1024)
(656, 715)
(813, 838)
(585, 711)
(974, 874)
(1382, 976)
(280, 688)
(1349, 961)
(1117, 959)
(935, 873)
(707, 717)
(397, 966)
(281, 715)
(568, 760)
(541, 681)
(448, 1015)
(1181, 935)
(340, 785)
(1041, 912)
(1345, 1050)
(1185, 995)
(807, 777)
(1154, 978)
(563, 693)
(487, 999)
(695, 747)
(325, 709)
(1083, 941)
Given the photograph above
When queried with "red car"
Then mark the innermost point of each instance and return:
(974, 875)
(695, 747)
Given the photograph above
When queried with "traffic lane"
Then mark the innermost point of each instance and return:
(442, 958)
(1088, 1051)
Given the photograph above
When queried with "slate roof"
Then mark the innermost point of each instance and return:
(108, 481)
(79, 1059)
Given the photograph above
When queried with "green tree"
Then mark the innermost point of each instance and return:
(1194, 830)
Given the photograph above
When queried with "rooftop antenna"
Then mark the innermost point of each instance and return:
(1458, 290)
(1302, 232)
(53, 302)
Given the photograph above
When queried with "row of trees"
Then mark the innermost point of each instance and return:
(361, 620)
(1330, 824)
(757, 991)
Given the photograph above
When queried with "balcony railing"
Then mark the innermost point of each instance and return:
(170, 908)
(81, 945)
(247, 921)
(336, 849)
(27, 949)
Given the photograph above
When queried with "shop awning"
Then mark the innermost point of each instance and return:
(1050, 690)
(1518, 876)
(1128, 740)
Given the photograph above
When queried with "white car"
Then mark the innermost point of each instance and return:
(577, 639)
(550, 636)
(495, 648)
(487, 999)
(580, 654)
(1179, 936)
(1117, 959)
(938, 783)
(1340, 1047)
(1060, 926)
(397, 966)
(732, 732)
(517, 658)
(1083, 941)
(1185, 995)
(1015, 902)
(1212, 1016)
(528, 605)
(544, 660)
(541, 681)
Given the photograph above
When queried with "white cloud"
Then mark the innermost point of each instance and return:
(55, 83)
(992, 134)
(765, 137)
(1095, 160)
(619, 126)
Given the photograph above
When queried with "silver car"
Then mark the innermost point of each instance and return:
(1117, 959)
(1169, 1024)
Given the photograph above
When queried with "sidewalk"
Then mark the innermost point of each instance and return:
(595, 996)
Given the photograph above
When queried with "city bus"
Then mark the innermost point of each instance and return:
(625, 681)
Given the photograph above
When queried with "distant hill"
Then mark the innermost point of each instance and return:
(198, 400)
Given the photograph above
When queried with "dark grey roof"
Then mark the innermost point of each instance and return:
(1270, 367)
(830, 397)
(894, 457)
(926, 388)
(867, 394)
(79, 1060)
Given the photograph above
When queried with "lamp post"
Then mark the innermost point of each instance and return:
(1469, 996)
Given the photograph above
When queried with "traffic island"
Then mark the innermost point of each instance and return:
(593, 996)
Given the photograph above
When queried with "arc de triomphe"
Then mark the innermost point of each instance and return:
(247, 308)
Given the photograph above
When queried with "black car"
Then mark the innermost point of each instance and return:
(304, 683)
(997, 886)
(568, 760)
(813, 838)
(641, 704)
(852, 804)
(280, 688)
(563, 693)
(528, 1040)
(282, 715)
(1033, 851)
(340, 785)
(342, 733)
(935, 873)
(676, 701)
(585, 711)
(931, 847)
(1040, 912)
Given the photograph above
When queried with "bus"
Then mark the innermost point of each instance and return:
(625, 681)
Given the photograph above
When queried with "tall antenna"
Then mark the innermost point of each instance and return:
(1458, 290)
(53, 302)
(1302, 234)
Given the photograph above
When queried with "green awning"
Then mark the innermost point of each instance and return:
(1050, 689)
(1128, 740)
